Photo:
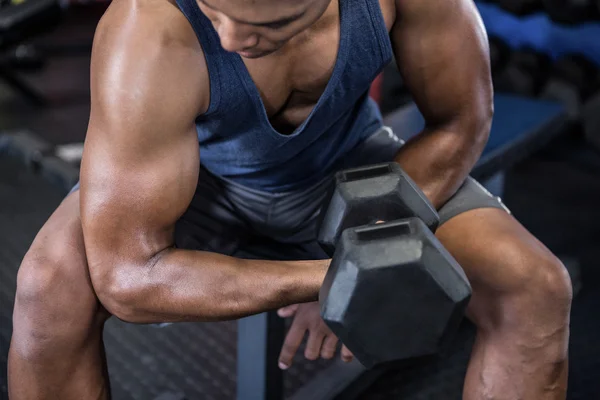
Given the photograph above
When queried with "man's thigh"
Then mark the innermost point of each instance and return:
(211, 222)
(227, 218)
(54, 278)
(230, 219)
(380, 147)
(515, 278)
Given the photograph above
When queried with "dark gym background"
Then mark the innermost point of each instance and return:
(554, 191)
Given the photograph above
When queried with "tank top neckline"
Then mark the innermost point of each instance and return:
(338, 67)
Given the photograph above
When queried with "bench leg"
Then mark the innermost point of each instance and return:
(260, 338)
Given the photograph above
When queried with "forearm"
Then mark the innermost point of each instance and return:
(186, 285)
(442, 52)
(440, 158)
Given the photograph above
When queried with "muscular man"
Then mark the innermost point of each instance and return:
(214, 130)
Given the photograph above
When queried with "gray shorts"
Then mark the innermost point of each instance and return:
(232, 219)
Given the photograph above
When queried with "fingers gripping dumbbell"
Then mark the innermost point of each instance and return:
(392, 291)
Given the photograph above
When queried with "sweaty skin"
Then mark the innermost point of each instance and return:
(139, 172)
(140, 168)
(140, 163)
(442, 53)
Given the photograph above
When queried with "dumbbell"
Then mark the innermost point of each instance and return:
(392, 290)
(520, 7)
(524, 74)
(571, 11)
(573, 79)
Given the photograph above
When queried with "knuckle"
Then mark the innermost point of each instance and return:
(326, 331)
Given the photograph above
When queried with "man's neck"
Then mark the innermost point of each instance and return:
(330, 17)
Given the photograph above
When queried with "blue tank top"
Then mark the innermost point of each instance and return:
(237, 140)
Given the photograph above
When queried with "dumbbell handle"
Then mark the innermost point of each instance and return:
(382, 229)
(364, 195)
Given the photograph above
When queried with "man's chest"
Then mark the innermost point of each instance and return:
(291, 83)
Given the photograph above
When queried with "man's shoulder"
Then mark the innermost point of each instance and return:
(157, 24)
(388, 10)
(146, 50)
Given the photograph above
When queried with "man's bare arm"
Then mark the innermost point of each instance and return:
(139, 173)
(442, 52)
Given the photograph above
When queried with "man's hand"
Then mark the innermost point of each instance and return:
(321, 340)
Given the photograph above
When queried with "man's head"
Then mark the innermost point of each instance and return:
(256, 28)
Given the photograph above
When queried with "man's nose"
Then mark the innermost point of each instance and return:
(236, 37)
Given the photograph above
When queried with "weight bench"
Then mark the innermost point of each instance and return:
(520, 128)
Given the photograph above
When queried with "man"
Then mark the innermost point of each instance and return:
(162, 230)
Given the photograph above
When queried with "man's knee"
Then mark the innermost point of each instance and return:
(54, 301)
(535, 318)
(531, 292)
(556, 285)
(547, 291)
(40, 274)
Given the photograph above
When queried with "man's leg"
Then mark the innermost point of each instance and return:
(56, 350)
(520, 305)
(521, 291)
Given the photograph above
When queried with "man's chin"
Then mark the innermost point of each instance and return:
(255, 54)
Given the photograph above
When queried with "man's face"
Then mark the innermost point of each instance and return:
(256, 28)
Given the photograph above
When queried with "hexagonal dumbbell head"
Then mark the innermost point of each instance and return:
(393, 292)
(366, 195)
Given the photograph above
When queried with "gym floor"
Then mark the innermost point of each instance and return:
(555, 194)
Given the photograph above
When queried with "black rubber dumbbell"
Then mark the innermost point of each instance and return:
(573, 79)
(524, 74)
(366, 195)
(571, 11)
(392, 291)
(521, 7)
